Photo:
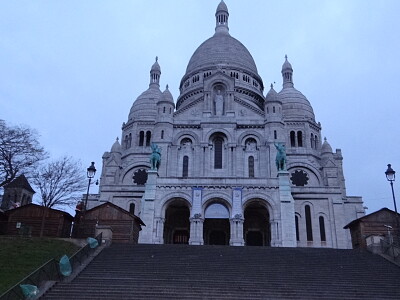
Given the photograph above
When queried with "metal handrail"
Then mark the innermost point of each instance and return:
(46, 272)
(49, 271)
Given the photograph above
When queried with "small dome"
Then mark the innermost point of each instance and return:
(155, 66)
(116, 147)
(272, 95)
(167, 96)
(326, 147)
(286, 65)
(144, 108)
(295, 104)
(222, 7)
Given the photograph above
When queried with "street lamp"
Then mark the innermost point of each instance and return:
(91, 171)
(391, 176)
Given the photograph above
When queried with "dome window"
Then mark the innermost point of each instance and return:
(299, 139)
(141, 138)
(148, 138)
(292, 139)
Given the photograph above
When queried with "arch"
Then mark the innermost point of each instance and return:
(308, 167)
(177, 224)
(162, 134)
(185, 134)
(220, 131)
(128, 174)
(216, 227)
(256, 226)
(250, 134)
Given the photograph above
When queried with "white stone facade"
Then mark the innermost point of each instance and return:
(218, 182)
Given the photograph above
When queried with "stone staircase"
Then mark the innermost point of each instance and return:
(222, 272)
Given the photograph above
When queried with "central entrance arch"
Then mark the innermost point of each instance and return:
(256, 227)
(177, 225)
(216, 225)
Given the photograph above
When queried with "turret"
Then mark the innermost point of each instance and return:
(221, 18)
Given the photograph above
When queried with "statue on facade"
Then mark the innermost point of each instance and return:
(155, 157)
(280, 157)
(219, 104)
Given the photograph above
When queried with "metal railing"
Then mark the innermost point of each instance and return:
(79, 256)
(47, 272)
(50, 271)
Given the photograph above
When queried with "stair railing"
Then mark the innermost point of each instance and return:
(49, 271)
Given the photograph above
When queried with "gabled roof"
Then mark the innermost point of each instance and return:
(27, 206)
(20, 182)
(118, 208)
(367, 216)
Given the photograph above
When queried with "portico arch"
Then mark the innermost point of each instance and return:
(177, 225)
(216, 229)
(256, 227)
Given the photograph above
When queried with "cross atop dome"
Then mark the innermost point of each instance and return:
(221, 18)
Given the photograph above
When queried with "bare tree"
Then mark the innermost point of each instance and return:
(60, 182)
(20, 152)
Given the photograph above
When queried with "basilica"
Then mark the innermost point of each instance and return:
(237, 164)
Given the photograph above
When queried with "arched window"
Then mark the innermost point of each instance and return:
(126, 142)
(308, 223)
(170, 110)
(163, 110)
(299, 139)
(162, 134)
(141, 138)
(322, 229)
(130, 140)
(275, 135)
(218, 142)
(293, 139)
(312, 141)
(251, 166)
(316, 142)
(296, 221)
(185, 167)
(132, 208)
(148, 138)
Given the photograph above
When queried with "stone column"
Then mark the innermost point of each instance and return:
(288, 227)
(196, 220)
(147, 208)
(196, 230)
(236, 220)
(159, 230)
(237, 231)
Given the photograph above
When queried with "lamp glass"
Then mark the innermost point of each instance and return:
(91, 171)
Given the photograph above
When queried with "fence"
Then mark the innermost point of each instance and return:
(50, 271)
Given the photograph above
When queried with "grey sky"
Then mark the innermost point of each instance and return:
(72, 69)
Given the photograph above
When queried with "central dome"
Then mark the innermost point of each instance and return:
(221, 49)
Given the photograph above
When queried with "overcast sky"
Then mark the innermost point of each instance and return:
(72, 69)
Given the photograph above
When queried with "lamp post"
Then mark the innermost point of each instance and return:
(91, 171)
(391, 176)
